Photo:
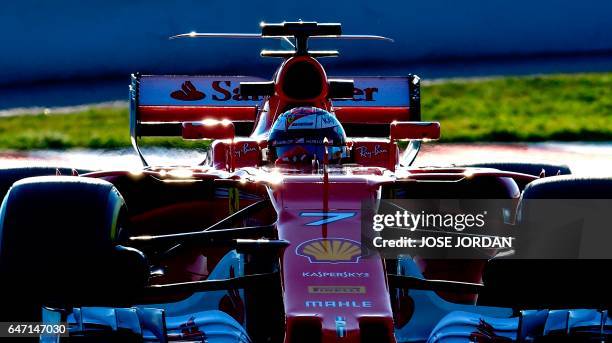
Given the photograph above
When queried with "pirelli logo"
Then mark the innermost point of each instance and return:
(337, 289)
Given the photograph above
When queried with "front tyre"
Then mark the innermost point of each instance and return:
(58, 245)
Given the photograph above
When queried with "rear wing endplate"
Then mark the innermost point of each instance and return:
(377, 102)
(159, 104)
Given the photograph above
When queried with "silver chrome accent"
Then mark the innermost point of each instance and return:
(286, 38)
(133, 117)
(410, 154)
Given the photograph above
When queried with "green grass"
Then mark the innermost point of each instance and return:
(95, 128)
(534, 108)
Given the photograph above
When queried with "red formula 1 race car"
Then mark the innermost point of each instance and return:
(265, 240)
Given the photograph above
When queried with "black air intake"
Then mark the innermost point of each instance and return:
(302, 80)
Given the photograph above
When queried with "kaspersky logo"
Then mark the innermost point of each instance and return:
(330, 250)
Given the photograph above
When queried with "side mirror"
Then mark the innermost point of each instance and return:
(209, 129)
(417, 130)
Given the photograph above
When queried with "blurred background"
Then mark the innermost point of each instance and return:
(507, 79)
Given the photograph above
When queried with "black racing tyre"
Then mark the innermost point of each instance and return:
(58, 245)
(562, 248)
(525, 168)
(565, 217)
(8, 176)
(569, 187)
(534, 169)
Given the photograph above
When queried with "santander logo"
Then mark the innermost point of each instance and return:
(188, 92)
(227, 90)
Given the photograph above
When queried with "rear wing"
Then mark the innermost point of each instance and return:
(159, 104)
(377, 102)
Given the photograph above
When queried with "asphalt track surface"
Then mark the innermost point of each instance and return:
(583, 158)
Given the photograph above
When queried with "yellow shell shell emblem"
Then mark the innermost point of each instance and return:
(330, 250)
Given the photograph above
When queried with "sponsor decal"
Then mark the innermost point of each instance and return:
(326, 122)
(210, 90)
(328, 217)
(220, 91)
(362, 94)
(188, 92)
(335, 275)
(307, 123)
(244, 150)
(305, 110)
(226, 91)
(337, 289)
(338, 304)
(293, 119)
(366, 94)
(330, 250)
(366, 153)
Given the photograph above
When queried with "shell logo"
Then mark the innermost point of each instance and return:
(330, 250)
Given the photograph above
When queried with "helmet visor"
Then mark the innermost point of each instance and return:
(304, 154)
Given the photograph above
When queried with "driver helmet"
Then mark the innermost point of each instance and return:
(300, 136)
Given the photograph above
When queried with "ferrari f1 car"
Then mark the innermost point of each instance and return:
(262, 241)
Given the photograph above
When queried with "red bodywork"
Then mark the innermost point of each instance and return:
(327, 285)
(359, 300)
